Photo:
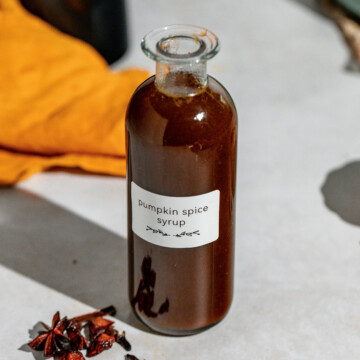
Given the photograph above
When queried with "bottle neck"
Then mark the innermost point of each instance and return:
(181, 79)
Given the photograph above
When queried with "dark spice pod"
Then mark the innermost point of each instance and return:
(145, 293)
(121, 339)
(130, 357)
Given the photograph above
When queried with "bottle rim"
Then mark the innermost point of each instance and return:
(180, 44)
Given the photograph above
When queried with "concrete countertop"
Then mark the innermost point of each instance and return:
(297, 285)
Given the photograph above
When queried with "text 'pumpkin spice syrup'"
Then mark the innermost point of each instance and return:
(181, 167)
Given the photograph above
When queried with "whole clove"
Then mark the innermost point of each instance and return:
(121, 339)
(130, 357)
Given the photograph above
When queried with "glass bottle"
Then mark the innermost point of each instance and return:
(181, 175)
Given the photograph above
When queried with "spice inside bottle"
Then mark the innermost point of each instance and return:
(181, 176)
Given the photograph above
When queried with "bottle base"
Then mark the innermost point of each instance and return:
(175, 332)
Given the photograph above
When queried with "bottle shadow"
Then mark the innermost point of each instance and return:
(65, 252)
(341, 191)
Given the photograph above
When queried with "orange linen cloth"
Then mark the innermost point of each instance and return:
(60, 106)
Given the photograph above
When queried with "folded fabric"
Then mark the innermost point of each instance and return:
(347, 23)
(60, 106)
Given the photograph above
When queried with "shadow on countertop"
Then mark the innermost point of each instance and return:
(33, 333)
(341, 192)
(65, 252)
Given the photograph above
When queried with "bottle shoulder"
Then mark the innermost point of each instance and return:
(181, 120)
(214, 88)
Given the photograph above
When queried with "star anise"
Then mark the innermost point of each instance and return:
(71, 355)
(65, 339)
(76, 324)
(101, 343)
(77, 340)
(99, 326)
(52, 340)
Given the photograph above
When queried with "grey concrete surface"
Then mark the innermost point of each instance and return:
(61, 250)
(297, 256)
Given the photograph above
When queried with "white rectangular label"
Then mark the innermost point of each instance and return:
(175, 222)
